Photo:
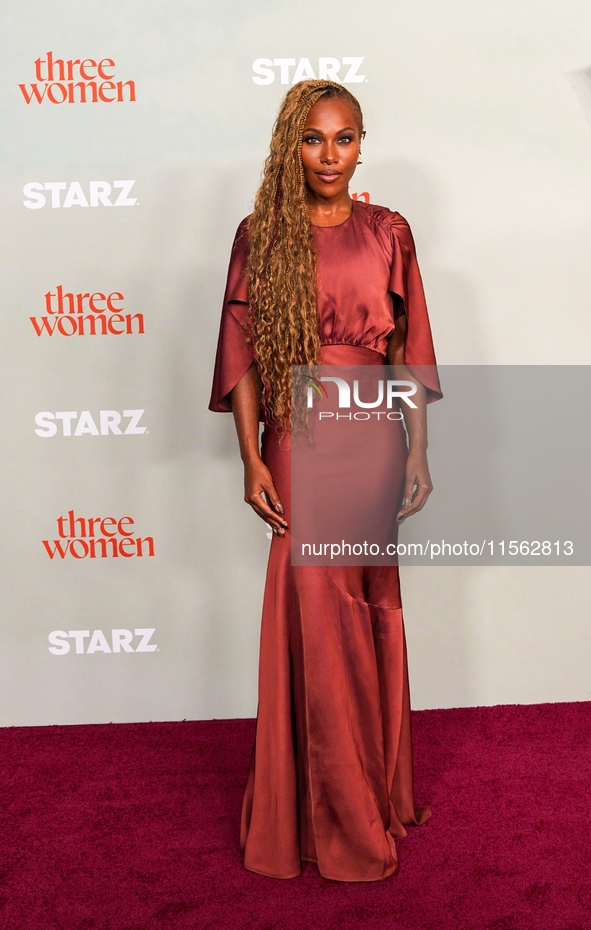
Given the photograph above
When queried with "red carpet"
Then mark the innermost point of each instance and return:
(133, 827)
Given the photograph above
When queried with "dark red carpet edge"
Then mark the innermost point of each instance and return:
(134, 827)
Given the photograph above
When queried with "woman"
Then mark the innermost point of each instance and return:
(317, 278)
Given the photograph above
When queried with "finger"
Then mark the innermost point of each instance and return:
(273, 497)
(261, 508)
(418, 502)
(272, 520)
(410, 489)
(407, 499)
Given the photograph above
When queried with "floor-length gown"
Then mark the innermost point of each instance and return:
(331, 776)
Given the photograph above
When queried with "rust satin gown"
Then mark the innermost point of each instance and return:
(331, 776)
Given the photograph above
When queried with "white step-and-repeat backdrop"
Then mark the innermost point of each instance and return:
(132, 140)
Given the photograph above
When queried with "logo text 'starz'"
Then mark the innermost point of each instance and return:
(267, 69)
(97, 194)
(87, 643)
(106, 423)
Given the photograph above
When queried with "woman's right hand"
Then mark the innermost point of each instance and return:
(260, 493)
(259, 490)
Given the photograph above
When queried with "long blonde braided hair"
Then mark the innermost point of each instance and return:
(282, 259)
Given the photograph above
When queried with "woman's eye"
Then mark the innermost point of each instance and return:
(346, 139)
(314, 139)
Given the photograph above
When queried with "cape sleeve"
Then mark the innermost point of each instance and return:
(234, 353)
(406, 283)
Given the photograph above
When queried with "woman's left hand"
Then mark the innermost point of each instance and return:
(417, 485)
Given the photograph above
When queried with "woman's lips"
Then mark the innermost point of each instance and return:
(328, 176)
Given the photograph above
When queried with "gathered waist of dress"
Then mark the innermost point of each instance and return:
(344, 354)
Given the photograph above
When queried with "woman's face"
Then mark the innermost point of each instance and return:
(330, 147)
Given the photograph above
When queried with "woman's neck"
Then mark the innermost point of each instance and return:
(329, 212)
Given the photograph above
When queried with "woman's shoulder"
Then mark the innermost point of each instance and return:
(383, 216)
(241, 237)
(389, 223)
(237, 282)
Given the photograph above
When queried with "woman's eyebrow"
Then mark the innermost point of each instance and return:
(320, 133)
